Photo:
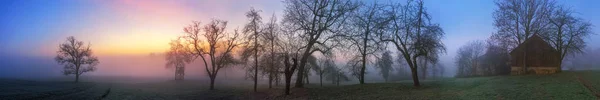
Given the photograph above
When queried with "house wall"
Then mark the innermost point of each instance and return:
(540, 70)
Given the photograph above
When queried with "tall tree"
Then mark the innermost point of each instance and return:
(324, 66)
(496, 55)
(517, 20)
(566, 32)
(289, 49)
(367, 21)
(413, 34)
(317, 22)
(385, 64)
(270, 37)
(253, 29)
(177, 57)
(335, 74)
(468, 57)
(215, 46)
(76, 58)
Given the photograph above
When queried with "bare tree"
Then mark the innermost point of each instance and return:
(216, 50)
(324, 67)
(516, 20)
(317, 22)
(288, 53)
(384, 64)
(177, 57)
(290, 66)
(413, 35)
(76, 57)
(496, 56)
(354, 67)
(270, 37)
(253, 30)
(566, 32)
(367, 21)
(468, 57)
(335, 74)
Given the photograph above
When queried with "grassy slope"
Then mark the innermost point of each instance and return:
(557, 86)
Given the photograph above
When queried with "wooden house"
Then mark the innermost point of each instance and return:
(541, 57)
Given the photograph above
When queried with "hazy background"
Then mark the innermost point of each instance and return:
(124, 33)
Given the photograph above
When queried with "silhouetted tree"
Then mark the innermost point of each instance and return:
(413, 35)
(384, 64)
(335, 74)
(253, 30)
(367, 21)
(290, 66)
(270, 36)
(177, 57)
(76, 57)
(217, 50)
(316, 23)
(288, 52)
(566, 32)
(468, 58)
(516, 20)
(324, 66)
(496, 56)
(354, 67)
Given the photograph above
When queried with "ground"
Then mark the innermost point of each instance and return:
(566, 85)
(580, 85)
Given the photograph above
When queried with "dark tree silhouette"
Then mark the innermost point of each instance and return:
(253, 30)
(323, 67)
(516, 20)
(76, 57)
(177, 57)
(413, 35)
(384, 64)
(566, 32)
(335, 75)
(468, 58)
(270, 36)
(218, 48)
(367, 21)
(317, 23)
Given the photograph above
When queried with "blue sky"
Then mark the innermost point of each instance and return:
(34, 28)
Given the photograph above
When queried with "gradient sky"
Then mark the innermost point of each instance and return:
(33, 28)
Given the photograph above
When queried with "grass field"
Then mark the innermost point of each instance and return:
(578, 85)
(557, 86)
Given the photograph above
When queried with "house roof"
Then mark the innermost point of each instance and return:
(533, 40)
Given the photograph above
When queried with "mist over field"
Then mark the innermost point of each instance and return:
(299, 50)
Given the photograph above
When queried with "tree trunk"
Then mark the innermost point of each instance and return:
(306, 77)
(415, 77)
(362, 70)
(212, 82)
(255, 59)
(76, 78)
(288, 78)
(270, 81)
(525, 59)
(303, 64)
(338, 80)
(288, 74)
(364, 58)
(277, 79)
(321, 78)
(77, 73)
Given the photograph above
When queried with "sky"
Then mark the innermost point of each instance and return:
(31, 30)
